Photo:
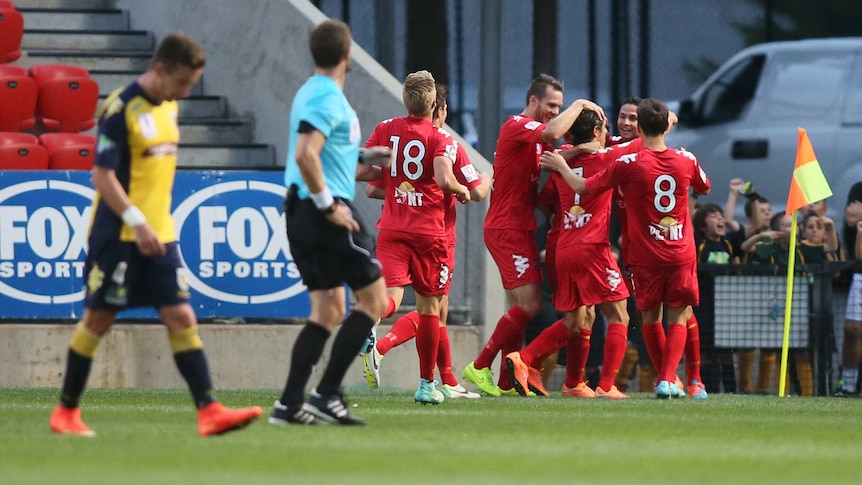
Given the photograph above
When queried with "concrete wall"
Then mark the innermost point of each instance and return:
(257, 56)
(240, 357)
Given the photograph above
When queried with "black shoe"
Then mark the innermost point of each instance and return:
(841, 392)
(331, 408)
(281, 416)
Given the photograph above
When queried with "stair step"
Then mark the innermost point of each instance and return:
(245, 157)
(93, 61)
(109, 80)
(57, 40)
(216, 131)
(67, 4)
(198, 107)
(74, 19)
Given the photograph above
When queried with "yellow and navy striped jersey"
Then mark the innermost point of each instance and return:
(138, 139)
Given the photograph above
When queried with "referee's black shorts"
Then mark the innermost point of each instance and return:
(327, 255)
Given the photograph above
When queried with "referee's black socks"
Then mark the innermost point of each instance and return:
(347, 344)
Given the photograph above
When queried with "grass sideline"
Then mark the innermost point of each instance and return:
(149, 436)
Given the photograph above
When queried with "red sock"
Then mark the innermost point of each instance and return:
(615, 350)
(510, 326)
(402, 330)
(427, 340)
(577, 351)
(692, 350)
(654, 338)
(444, 359)
(549, 341)
(673, 349)
(390, 308)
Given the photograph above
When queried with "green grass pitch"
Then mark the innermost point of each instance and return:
(149, 437)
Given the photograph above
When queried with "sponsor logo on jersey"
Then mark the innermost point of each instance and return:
(668, 229)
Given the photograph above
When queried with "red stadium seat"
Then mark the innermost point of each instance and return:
(11, 32)
(67, 99)
(69, 151)
(44, 72)
(17, 99)
(22, 151)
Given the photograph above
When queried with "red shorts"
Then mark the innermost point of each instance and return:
(673, 285)
(450, 254)
(516, 255)
(587, 274)
(414, 259)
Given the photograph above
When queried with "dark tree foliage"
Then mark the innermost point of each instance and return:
(802, 19)
(427, 38)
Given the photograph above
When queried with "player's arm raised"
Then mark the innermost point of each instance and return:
(563, 121)
(554, 161)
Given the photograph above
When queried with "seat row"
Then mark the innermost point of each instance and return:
(49, 151)
(62, 98)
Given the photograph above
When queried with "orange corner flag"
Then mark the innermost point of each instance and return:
(808, 184)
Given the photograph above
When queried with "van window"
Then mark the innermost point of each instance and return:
(853, 104)
(807, 84)
(728, 96)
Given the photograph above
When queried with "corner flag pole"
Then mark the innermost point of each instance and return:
(807, 186)
(788, 306)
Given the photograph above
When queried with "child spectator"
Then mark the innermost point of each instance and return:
(712, 248)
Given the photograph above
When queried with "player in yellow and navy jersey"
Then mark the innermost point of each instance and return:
(133, 259)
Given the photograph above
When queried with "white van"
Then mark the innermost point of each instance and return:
(742, 121)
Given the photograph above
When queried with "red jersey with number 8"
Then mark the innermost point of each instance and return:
(656, 185)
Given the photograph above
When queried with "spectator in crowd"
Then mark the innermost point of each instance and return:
(712, 248)
(758, 212)
(851, 352)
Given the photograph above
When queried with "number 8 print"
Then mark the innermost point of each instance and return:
(412, 165)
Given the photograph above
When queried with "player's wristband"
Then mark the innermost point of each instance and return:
(133, 217)
(323, 200)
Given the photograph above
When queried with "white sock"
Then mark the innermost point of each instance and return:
(850, 376)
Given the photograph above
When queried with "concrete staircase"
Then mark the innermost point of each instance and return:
(95, 35)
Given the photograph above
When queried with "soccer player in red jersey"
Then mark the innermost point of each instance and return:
(404, 329)
(411, 244)
(587, 275)
(510, 222)
(656, 182)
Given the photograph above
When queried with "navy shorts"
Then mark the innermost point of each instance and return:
(118, 276)
(328, 255)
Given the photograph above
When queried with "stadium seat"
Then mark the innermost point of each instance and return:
(18, 94)
(22, 151)
(69, 151)
(44, 72)
(11, 32)
(67, 97)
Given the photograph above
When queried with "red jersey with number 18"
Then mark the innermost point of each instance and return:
(413, 202)
(516, 174)
(656, 185)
